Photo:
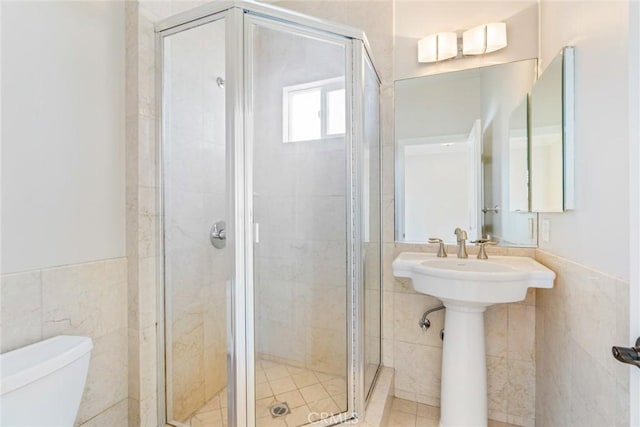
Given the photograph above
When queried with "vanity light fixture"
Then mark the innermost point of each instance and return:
(478, 40)
(484, 38)
(438, 47)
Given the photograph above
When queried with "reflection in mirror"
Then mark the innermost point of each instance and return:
(519, 158)
(453, 155)
(431, 208)
(546, 140)
(551, 148)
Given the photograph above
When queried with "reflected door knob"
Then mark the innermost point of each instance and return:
(629, 355)
(495, 209)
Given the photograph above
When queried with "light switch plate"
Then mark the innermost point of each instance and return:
(545, 230)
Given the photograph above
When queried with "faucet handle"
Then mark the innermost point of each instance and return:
(484, 241)
(442, 252)
(482, 253)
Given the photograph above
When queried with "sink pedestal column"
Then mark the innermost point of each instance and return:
(463, 400)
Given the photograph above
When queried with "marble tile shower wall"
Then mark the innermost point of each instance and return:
(88, 299)
(300, 205)
(195, 197)
(300, 260)
(577, 322)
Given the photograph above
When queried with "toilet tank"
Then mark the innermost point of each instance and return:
(42, 384)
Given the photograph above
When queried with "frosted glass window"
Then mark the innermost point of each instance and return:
(314, 111)
(335, 112)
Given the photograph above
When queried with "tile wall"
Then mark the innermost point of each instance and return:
(88, 299)
(141, 216)
(577, 323)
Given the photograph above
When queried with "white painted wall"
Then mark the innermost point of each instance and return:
(596, 232)
(63, 188)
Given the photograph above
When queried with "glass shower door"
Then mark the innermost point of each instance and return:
(196, 263)
(298, 148)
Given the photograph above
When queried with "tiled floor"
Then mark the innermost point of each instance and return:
(405, 413)
(308, 394)
(308, 397)
(213, 413)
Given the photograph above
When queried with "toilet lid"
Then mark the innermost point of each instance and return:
(28, 364)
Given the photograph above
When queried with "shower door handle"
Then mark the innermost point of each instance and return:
(218, 235)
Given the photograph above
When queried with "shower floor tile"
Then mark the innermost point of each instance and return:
(308, 393)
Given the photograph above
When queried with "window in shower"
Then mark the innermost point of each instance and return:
(313, 111)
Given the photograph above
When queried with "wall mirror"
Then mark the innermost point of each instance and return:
(551, 142)
(453, 155)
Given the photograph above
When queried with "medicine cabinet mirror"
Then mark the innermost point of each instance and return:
(551, 142)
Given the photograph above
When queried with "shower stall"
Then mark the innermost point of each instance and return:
(270, 218)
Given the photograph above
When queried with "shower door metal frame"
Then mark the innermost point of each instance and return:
(362, 59)
(240, 341)
(234, 127)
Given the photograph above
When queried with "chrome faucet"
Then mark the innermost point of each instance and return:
(461, 237)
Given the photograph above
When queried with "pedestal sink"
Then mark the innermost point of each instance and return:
(467, 287)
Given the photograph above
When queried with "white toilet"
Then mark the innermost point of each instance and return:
(42, 384)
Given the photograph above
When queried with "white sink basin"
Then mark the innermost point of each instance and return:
(500, 279)
(467, 287)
